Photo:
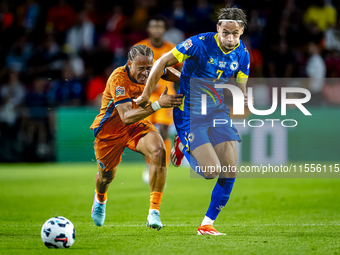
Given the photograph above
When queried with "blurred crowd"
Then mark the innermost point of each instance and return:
(60, 53)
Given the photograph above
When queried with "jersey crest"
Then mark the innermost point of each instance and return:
(234, 65)
(120, 91)
(191, 137)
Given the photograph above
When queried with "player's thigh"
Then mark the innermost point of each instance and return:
(227, 154)
(206, 156)
(145, 138)
(151, 145)
(195, 138)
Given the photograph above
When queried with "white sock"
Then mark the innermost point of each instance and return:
(100, 201)
(151, 210)
(207, 221)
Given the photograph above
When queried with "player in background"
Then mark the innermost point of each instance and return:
(209, 59)
(121, 124)
(162, 119)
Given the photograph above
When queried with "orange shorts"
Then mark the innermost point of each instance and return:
(109, 152)
(162, 116)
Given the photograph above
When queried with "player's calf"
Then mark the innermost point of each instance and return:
(103, 180)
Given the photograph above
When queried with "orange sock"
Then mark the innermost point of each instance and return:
(155, 200)
(101, 196)
(167, 144)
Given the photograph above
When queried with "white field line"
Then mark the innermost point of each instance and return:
(219, 225)
(216, 225)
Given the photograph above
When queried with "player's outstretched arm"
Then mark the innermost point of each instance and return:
(243, 87)
(166, 60)
(129, 115)
(171, 74)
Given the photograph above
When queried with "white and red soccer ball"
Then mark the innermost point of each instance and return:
(58, 232)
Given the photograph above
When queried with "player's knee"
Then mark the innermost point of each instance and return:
(157, 153)
(233, 172)
(229, 171)
(107, 178)
(212, 176)
(211, 171)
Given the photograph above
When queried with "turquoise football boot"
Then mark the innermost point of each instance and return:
(154, 221)
(98, 211)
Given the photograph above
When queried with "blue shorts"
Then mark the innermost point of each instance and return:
(198, 130)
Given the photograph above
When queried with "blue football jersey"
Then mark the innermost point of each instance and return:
(205, 64)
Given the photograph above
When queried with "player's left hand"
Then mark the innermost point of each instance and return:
(169, 101)
(246, 100)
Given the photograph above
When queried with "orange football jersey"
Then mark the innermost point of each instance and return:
(119, 89)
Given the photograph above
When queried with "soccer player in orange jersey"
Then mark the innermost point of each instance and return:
(121, 124)
(162, 118)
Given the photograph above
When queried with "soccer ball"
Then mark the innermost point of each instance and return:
(58, 232)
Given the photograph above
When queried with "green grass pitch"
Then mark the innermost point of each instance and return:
(263, 216)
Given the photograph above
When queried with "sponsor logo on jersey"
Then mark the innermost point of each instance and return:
(191, 137)
(202, 38)
(222, 64)
(120, 91)
(187, 44)
(211, 61)
(234, 65)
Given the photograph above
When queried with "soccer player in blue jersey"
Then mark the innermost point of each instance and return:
(209, 58)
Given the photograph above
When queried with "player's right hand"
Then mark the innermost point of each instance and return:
(168, 101)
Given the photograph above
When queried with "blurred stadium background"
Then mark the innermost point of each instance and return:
(55, 57)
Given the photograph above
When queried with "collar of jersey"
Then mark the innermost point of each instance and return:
(218, 44)
(130, 77)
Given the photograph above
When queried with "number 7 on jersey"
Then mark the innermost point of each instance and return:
(219, 72)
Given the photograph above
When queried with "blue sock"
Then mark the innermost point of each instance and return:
(220, 196)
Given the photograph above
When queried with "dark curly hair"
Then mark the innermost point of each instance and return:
(232, 13)
(139, 50)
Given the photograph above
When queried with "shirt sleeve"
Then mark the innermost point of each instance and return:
(119, 90)
(187, 49)
(243, 72)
